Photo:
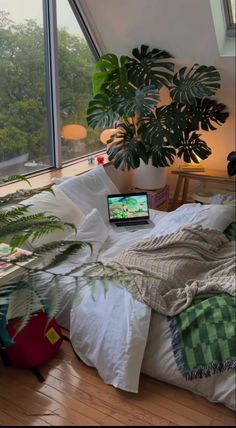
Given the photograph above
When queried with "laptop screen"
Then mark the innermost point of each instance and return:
(128, 206)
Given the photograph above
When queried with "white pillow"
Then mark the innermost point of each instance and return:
(89, 190)
(216, 217)
(92, 230)
(208, 216)
(57, 204)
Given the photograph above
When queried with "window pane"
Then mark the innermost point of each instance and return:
(76, 65)
(23, 112)
(233, 10)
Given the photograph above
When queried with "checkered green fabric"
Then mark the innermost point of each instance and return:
(204, 336)
(230, 232)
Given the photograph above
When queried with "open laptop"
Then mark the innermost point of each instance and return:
(129, 210)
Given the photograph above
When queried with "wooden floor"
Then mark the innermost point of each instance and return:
(74, 394)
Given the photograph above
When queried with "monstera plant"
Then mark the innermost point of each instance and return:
(127, 99)
(231, 166)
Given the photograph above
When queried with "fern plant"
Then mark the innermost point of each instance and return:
(17, 226)
(21, 297)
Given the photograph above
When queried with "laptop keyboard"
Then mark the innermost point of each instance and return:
(133, 223)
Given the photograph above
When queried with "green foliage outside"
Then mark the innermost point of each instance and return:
(23, 110)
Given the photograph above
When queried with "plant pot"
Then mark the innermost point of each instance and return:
(149, 177)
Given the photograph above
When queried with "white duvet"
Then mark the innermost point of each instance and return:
(122, 337)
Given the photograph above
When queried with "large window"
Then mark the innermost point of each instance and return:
(76, 64)
(45, 67)
(229, 8)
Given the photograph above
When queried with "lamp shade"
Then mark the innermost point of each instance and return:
(107, 134)
(74, 132)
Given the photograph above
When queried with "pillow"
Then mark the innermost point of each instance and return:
(209, 216)
(216, 217)
(92, 230)
(57, 204)
(89, 190)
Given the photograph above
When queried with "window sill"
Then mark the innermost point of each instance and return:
(45, 178)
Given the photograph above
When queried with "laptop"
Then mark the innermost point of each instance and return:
(129, 210)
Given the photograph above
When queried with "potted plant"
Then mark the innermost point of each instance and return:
(17, 227)
(231, 166)
(127, 97)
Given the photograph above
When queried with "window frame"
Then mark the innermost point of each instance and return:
(230, 24)
(52, 74)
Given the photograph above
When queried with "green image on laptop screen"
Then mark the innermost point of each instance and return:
(128, 206)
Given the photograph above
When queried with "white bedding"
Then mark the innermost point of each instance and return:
(115, 333)
(121, 336)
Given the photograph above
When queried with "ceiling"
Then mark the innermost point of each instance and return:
(185, 28)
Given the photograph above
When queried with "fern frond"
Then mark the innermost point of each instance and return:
(17, 212)
(4, 180)
(22, 194)
(33, 227)
(69, 250)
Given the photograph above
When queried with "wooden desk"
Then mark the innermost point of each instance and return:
(211, 175)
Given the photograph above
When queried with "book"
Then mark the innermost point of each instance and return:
(8, 270)
(192, 168)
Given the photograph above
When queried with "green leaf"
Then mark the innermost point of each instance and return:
(150, 67)
(4, 180)
(198, 82)
(160, 128)
(125, 152)
(192, 147)
(231, 167)
(163, 156)
(112, 76)
(207, 114)
(100, 113)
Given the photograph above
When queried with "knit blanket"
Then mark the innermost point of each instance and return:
(168, 272)
(204, 337)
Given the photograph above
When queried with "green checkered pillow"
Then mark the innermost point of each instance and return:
(230, 232)
(204, 336)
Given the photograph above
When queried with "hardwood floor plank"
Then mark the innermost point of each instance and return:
(189, 400)
(166, 395)
(5, 419)
(14, 411)
(61, 401)
(73, 394)
(110, 421)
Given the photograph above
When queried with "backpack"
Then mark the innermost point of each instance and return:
(35, 344)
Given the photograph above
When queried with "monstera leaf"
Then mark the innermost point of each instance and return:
(127, 151)
(163, 156)
(198, 82)
(231, 167)
(100, 112)
(160, 128)
(192, 147)
(206, 114)
(112, 75)
(150, 67)
(138, 101)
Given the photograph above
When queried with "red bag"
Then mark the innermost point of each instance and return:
(36, 343)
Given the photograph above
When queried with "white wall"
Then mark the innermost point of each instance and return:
(186, 29)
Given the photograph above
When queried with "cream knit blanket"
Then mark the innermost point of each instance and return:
(190, 262)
